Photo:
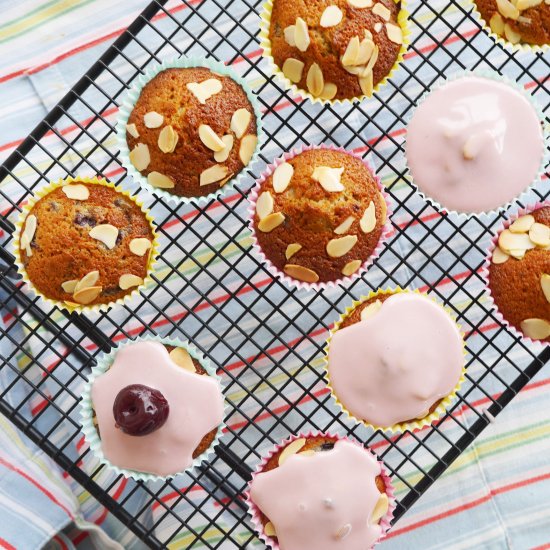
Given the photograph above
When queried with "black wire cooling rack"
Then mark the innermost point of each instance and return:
(266, 339)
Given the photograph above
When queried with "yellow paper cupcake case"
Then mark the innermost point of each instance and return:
(265, 43)
(401, 427)
(69, 306)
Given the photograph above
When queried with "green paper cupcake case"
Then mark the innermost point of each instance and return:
(91, 436)
(129, 101)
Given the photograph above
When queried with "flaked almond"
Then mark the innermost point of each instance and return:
(226, 179)
(264, 205)
(315, 80)
(360, 3)
(497, 24)
(384, 208)
(139, 246)
(331, 17)
(69, 286)
(247, 148)
(223, 155)
(290, 35)
(152, 119)
(540, 234)
(140, 157)
(366, 48)
(511, 35)
(168, 139)
(301, 273)
(291, 449)
(128, 280)
(329, 91)
(372, 62)
(370, 310)
(351, 267)
(368, 221)
(329, 178)
(394, 32)
(378, 26)
(87, 295)
(336, 248)
(210, 139)
(526, 4)
(507, 9)
(381, 10)
(381, 508)
(181, 357)
(545, 285)
(89, 280)
(522, 224)
(28, 233)
(291, 249)
(537, 329)
(213, 174)
(509, 241)
(271, 222)
(301, 35)
(282, 176)
(367, 84)
(343, 228)
(240, 121)
(352, 52)
(205, 90)
(105, 233)
(293, 69)
(77, 192)
(132, 130)
(156, 179)
(269, 530)
(343, 532)
(499, 256)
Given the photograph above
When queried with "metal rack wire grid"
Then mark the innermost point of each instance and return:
(265, 338)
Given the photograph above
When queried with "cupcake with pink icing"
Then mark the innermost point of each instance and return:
(475, 144)
(320, 491)
(395, 360)
(152, 408)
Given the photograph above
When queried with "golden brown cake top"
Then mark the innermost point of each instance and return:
(335, 49)
(519, 274)
(191, 131)
(86, 244)
(320, 215)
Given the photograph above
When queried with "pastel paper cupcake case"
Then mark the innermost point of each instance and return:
(104, 362)
(130, 100)
(387, 229)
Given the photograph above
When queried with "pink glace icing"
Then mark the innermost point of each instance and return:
(393, 366)
(501, 132)
(313, 501)
(196, 408)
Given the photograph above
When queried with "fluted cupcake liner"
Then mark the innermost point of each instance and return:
(253, 197)
(400, 427)
(70, 306)
(255, 513)
(265, 43)
(129, 101)
(516, 331)
(93, 439)
(524, 195)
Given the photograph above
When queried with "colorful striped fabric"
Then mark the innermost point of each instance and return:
(495, 496)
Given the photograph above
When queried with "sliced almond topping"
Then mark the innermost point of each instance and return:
(282, 176)
(181, 357)
(213, 174)
(153, 119)
(223, 155)
(205, 90)
(264, 205)
(290, 35)
(331, 17)
(139, 246)
(540, 234)
(76, 192)
(343, 228)
(372, 62)
(301, 273)
(315, 80)
(522, 224)
(87, 295)
(526, 4)
(545, 285)
(210, 138)
(537, 329)
(309, 452)
(394, 32)
(370, 310)
(352, 52)
(360, 3)
(225, 180)
(366, 48)
(293, 69)
(511, 35)
(301, 35)
(291, 249)
(291, 449)
(269, 530)
(384, 208)
(106, 233)
(271, 222)
(247, 148)
(509, 241)
(168, 139)
(28, 233)
(128, 280)
(156, 179)
(368, 221)
(367, 84)
(89, 280)
(343, 532)
(351, 267)
(132, 130)
(499, 256)
(381, 10)
(240, 121)
(329, 178)
(518, 254)
(336, 248)
(378, 26)
(140, 157)
(329, 91)
(497, 24)
(69, 286)
(507, 9)
(381, 508)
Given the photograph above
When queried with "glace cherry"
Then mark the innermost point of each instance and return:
(140, 410)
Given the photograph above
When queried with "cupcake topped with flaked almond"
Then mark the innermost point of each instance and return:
(191, 131)
(319, 215)
(340, 49)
